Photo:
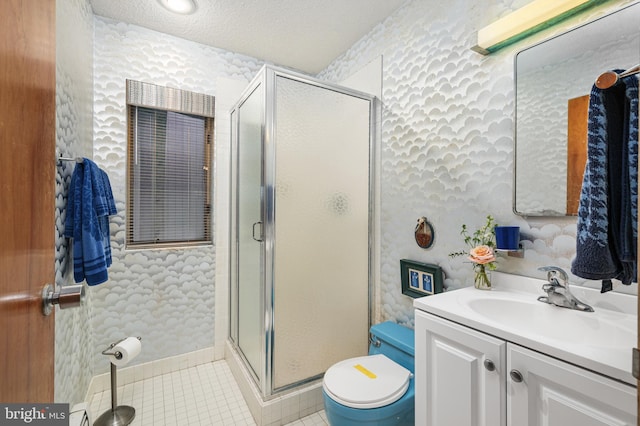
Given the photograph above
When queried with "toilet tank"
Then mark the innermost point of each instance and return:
(396, 342)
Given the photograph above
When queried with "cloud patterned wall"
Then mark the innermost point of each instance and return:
(74, 138)
(165, 296)
(447, 142)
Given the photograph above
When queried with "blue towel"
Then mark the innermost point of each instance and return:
(107, 208)
(89, 205)
(629, 224)
(606, 245)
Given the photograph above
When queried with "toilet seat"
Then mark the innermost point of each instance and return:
(366, 382)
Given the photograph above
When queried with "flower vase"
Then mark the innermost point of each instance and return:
(482, 278)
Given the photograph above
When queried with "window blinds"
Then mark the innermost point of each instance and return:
(169, 184)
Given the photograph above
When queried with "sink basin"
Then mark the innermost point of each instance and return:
(599, 341)
(552, 322)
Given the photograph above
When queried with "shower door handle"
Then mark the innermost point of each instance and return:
(259, 239)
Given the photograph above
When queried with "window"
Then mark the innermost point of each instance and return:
(170, 141)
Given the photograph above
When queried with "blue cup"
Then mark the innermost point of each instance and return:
(507, 237)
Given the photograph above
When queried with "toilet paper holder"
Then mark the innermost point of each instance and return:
(117, 354)
(118, 415)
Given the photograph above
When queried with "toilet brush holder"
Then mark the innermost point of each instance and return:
(118, 415)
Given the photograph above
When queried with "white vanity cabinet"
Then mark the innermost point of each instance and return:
(465, 377)
(556, 393)
(459, 375)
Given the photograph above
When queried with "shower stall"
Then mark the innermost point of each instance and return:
(302, 217)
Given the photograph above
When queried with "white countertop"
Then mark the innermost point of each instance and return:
(600, 341)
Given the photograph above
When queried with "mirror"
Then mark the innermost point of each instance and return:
(553, 81)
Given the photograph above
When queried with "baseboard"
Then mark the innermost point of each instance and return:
(127, 375)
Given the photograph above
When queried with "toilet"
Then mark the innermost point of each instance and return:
(377, 389)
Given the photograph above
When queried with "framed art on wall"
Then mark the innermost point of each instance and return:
(420, 279)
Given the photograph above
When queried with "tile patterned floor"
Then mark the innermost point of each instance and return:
(205, 395)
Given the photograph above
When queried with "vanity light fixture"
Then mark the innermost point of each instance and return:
(529, 19)
(183, 7)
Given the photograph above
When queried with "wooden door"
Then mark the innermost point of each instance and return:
(578, 117)
(460, 375)
(27, 184)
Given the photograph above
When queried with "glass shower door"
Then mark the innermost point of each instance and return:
(301, 227)
(250, 229)
(321, 235)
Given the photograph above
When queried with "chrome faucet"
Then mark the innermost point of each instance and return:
(558, 292)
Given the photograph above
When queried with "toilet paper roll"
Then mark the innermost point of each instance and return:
(129, 348)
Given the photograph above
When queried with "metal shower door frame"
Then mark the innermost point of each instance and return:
(268, 76)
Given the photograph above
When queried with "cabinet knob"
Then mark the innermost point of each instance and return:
(489, 365)
(516, 376)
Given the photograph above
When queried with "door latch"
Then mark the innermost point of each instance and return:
(69, 296)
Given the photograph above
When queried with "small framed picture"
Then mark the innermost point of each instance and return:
(420, 279)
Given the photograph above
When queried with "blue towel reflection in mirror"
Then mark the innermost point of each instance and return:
(606, 243)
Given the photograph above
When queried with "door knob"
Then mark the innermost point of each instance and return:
(68, 296)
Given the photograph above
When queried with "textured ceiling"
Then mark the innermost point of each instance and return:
(302, 34)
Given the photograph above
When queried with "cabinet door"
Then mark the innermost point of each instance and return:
(555, 393)
(453, 386)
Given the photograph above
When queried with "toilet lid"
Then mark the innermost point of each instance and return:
(366, 382)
